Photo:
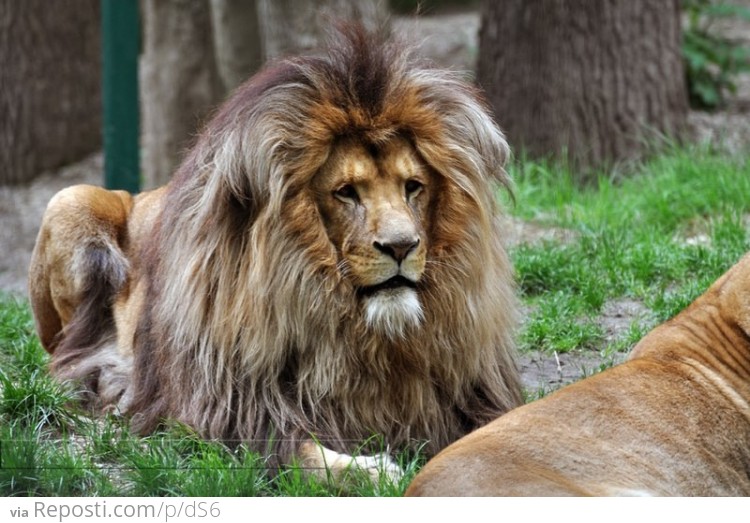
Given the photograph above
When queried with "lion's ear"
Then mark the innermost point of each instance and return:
(240, 211)
(243, 199)
(217, 188)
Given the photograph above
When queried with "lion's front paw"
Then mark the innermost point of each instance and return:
(377, 466)
(321, 462)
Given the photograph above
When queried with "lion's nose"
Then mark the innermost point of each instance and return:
(398, 250)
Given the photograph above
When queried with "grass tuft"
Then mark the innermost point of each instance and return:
(660, 235)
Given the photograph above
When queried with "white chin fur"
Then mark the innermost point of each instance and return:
(393, 312)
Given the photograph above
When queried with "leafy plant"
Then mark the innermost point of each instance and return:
(712, 61)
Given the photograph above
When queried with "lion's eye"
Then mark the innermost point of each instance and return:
(413, 187)
(346, 193)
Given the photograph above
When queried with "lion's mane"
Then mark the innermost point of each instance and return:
(250, 332)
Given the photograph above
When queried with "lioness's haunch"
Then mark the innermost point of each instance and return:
(672, 420)
(326, 263)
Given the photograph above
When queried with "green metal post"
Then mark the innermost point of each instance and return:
(120, 47)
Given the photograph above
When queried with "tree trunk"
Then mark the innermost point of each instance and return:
(294, 26)
(179, 80)
(593, 82)
(50, 95)
(237, 40)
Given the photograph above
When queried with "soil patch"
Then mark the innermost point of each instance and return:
(542, 372)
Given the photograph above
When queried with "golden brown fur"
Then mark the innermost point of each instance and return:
(246, 299)
(673, 420)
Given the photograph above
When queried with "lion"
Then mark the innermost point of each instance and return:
(673, 420)
(326, 266)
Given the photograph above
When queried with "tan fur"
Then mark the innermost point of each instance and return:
(674, 420)
(75, 218)
(242, 299)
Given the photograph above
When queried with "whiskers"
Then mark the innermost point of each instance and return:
(343, 267)
(452, 268)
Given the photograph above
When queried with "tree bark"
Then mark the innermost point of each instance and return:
(50, 96)
(294, 26)
(179, 80)
(237, 40)
(593, 82)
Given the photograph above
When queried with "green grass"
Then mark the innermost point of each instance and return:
(658, 235)
(49, 448)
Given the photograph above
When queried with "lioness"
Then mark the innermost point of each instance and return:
(673, 420)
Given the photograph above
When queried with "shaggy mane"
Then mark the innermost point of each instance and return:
(250, 332)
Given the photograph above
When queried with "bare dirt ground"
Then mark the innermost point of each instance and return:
(449, 40)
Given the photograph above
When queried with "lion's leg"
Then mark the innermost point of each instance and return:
(77, 262)
(324, 463)
(77, 269)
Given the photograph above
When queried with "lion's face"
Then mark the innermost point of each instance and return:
(374, 202)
